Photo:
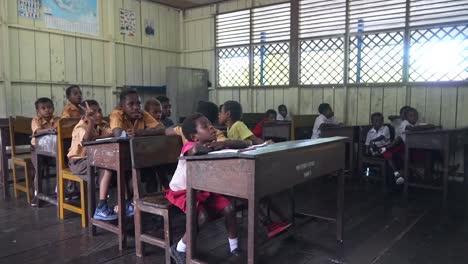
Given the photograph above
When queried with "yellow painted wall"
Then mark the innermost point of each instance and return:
(446, 106)
(37, 61)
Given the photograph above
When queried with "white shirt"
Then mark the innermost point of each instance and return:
(373, 134)
(319, 121)
(402, 129)
(279, 117)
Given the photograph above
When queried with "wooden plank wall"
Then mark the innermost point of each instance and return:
(43, 62)
(446, 106)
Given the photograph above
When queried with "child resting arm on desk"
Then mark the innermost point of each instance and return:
(201, 137)
(325, 119)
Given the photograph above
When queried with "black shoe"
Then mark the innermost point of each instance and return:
(179, 257)
(236, 253)
(34, 202)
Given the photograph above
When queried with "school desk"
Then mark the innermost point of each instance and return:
(46, 146)
(112, 154)
(4, 142)
(352, 133)
(280, 130)
(260, 172)
(443, 140)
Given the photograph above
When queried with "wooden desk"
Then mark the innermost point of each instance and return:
(252, 119)
(352, 133)
(279, 130)
(254, 174)
(112, 154)
(444, 140)
(46, 146)
(302, 126)
(4, 142)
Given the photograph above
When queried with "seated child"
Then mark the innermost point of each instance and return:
(91, 127)
(325, 119)
(166, 111)
(270, 116)
(45, 121)
(378, 136)
(397, 119)
(210, 111)
(230, 115)
(130, 118)
(74, 97)
(153, 107)
(201, 137)
(283, 113)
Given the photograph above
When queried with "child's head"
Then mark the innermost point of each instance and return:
(94, 105)
(282, 110)
(403, 111)
(326, 110)
(230, 110)
(166, 106)
(74, 95)
(130, 103)
(377, 120)
(208, 109)
(197, 128)
(412, 116)
(153, 107)
(44, 107)
(270, 115)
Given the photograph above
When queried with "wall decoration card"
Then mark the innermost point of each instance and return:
(149, 27)
(78, 16)
(29, 8)
(127, 22)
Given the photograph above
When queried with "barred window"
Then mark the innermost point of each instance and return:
(253, 44)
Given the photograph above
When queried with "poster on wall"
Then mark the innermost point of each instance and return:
(78, 16)
(149, 28)
(127, 22)
(29, 8)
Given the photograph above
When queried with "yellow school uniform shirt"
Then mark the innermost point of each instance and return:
(77, 150)
(239, 131)
(39, 122)
(71, 111)
(219, 134)
(118, 119)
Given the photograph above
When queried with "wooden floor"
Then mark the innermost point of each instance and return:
(379, 229)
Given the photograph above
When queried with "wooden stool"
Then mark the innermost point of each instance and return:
(20, 125)
(149, 152)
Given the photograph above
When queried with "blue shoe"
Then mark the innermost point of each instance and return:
(130, 211)
(104, 213)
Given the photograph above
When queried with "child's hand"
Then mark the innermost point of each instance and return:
(89, 115)
(382, 150)
(215, 145)
(131, 132)
(269, 141)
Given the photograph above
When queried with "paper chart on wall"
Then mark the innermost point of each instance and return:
(29, 8)
(78, 16)
(127, 22)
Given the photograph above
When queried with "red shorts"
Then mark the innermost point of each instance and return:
(212, 203)
(416, 154)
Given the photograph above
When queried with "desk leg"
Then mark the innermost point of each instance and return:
(446, 154)
(191, 224)
(405, 174)
(292, 206)
(340, 207)
(251, 232)
(4, 168)
(91, 199)
(465, 171)
(351, 159)
(37, 176)
(122, 208)
(57, 184)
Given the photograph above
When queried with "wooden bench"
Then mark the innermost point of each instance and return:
(301, 126)
(149, 152)
(20, 126)
(64, 137)
(277, 131)
(251, 119)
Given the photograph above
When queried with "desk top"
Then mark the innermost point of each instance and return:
(269, 149)
(106, 141)
(438, 131)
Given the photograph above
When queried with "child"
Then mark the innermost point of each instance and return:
(210, 111)
(325, 119)
(130, 118)
(397, 119)
(153, 107)
(91, 127)
(230, 115)
(201, 137)
(166, 111)
(45, 121)
(283, 113)
(74, 97)
(270, 116)
(379, 136)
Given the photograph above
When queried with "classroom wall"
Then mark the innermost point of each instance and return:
(445, 105)
(36, 61)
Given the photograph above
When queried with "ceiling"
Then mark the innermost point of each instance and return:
(184, 4)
